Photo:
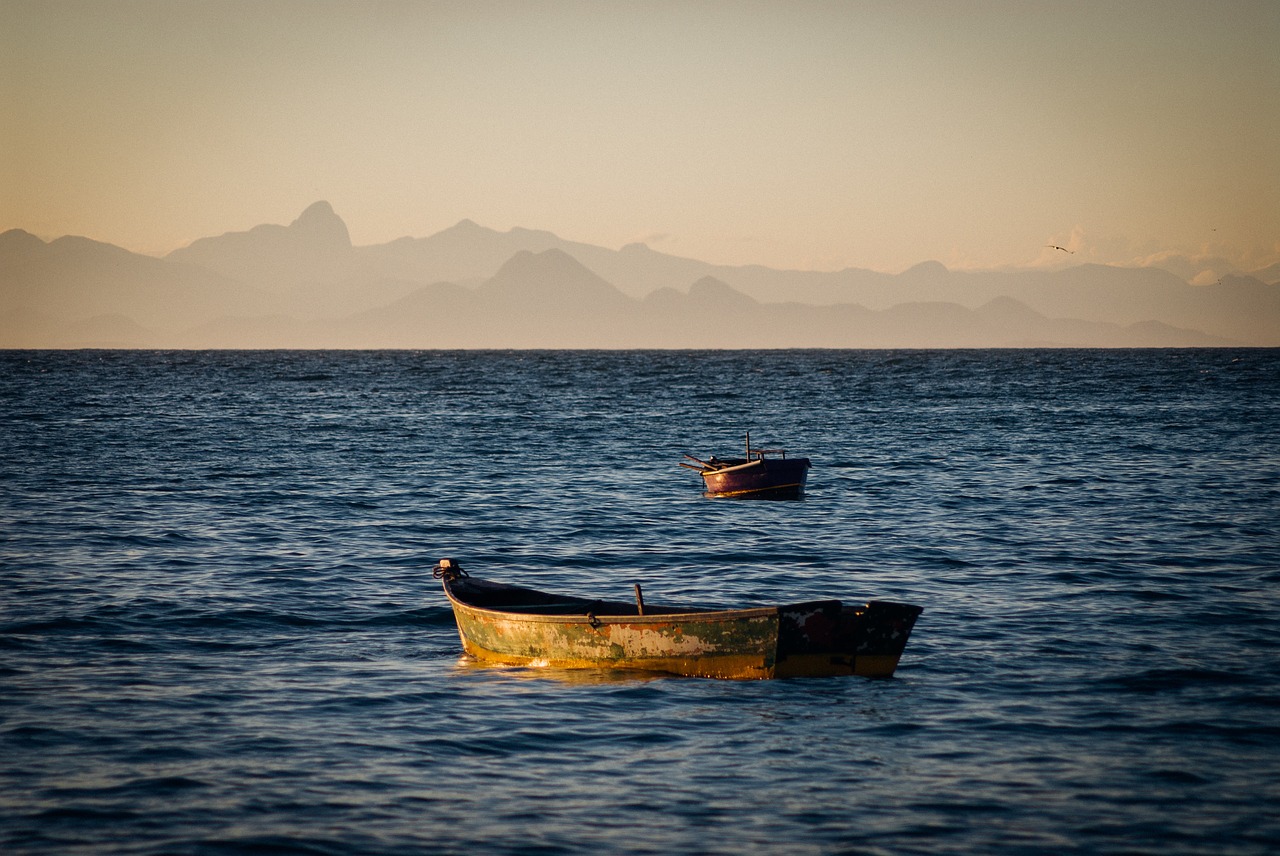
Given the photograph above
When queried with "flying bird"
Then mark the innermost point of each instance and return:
(1064, 249)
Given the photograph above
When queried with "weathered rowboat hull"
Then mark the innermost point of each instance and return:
(756, 476)
(763, 477)
(505, 624)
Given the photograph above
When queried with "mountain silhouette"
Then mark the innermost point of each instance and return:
(75, 292)
(306, 285)
(551, 278)
(316, 247)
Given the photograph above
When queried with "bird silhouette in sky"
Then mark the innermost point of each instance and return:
(1064, 249)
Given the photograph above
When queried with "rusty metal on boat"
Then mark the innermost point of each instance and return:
(510, 625)
(756, 476)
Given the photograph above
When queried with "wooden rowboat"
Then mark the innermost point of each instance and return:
(756, 476)
(510, 625)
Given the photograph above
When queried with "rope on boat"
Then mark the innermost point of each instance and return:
(448, 570)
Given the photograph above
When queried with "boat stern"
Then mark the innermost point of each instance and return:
(827, 638)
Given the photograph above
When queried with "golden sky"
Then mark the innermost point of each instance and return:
(798, 134)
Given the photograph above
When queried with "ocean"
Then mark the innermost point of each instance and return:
(219, 633)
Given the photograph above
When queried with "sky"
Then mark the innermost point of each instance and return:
(797, 135)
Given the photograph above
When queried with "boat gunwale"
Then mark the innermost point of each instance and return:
(735, 468)
(654, 617)
(767, 463)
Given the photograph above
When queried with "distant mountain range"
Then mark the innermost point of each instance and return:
(306, 286)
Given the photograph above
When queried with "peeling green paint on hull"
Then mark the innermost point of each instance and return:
(739, 644)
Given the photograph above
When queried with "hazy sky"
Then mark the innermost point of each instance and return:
(812, 135)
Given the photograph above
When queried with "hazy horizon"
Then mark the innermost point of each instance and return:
(305, 285)
(1056, 258)
(807, 136)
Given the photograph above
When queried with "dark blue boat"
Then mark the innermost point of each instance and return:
(755, 476)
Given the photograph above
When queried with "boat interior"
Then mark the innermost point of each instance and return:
(486, 595)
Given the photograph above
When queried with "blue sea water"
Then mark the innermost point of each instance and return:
(219, 633)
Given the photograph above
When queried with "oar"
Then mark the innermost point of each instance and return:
(704, 463)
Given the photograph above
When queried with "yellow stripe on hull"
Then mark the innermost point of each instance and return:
(732, 666)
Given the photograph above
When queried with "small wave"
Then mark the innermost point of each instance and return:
(428, 616)
(51, 625)
(1178, 777)
(1150, 595)
(145, 786)
(35, 735)
(272, 845)
(86, 813)
(1165, 680)
(305, 378)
